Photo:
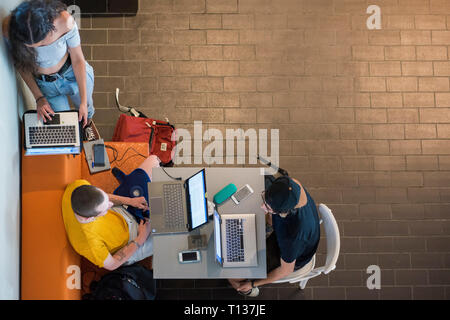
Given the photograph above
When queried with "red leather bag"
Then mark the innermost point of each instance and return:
(160, 135)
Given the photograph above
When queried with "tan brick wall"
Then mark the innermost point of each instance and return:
(364, 115)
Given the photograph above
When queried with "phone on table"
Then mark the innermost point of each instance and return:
(189, 256)
(242, 194)
(99, 155)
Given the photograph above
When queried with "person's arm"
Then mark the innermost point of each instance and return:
(78, 66)
(114, 261)
(79, 69)
(282, 271)
(138, 202)
(43, 108)
(117, 200)
(31, 83)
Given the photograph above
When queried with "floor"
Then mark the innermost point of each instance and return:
(216, 289)
(363, 117)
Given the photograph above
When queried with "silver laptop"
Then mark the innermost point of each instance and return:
(178, 206)
(235, 240)
(61, 135)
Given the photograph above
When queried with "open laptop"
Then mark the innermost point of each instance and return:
(235, 240)
(178, 206)
(61, 135)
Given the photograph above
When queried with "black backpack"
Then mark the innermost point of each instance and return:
(133, 282)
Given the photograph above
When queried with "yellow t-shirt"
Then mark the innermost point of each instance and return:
(96, 239)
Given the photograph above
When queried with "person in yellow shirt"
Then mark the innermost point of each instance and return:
(101, 230)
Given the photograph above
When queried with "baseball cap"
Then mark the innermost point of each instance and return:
(283, 195)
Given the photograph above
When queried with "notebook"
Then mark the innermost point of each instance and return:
(178, 206)
(61, 135)
(235, 240)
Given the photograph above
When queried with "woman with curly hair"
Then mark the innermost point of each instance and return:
(45, 46)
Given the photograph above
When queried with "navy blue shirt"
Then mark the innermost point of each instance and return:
(298, 234)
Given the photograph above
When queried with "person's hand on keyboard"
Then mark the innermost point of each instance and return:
(83, 115)
(44, 110)
(139, 203)
(144, 230)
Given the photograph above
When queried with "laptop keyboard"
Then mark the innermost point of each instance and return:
(174, 214)
(52, 135)
(235, 240)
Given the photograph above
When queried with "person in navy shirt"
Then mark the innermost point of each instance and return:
(292, 213)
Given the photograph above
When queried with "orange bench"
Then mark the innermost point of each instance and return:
(49, 265)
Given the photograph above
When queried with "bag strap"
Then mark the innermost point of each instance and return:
(134, 112)
(124, 109)
(156, 123)
(150, 139)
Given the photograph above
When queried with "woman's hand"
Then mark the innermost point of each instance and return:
(44, 110)
(138, 202)
(144, 230)
(83, 114)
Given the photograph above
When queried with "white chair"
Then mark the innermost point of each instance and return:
(333, 246)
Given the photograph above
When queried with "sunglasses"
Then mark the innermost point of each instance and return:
(270, 210)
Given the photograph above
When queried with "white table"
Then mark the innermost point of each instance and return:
(167, 246)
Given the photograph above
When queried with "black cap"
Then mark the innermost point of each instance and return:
(283, 195)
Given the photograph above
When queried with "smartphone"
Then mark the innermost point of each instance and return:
(55, 120)
(189, 256)
(242, 194)
(99, 155)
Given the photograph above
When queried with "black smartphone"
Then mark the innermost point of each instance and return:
(99, 155)
(55, 120)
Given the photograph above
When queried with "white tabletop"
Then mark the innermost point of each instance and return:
(167, 246)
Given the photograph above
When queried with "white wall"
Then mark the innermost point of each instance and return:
(10, 113)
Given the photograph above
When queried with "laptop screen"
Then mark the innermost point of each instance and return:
(52, 151)
(217, 237)
(197, 199)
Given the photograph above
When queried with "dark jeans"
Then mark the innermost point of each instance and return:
(273, 253)
(272, 249)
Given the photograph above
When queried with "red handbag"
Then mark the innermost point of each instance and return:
(160, 135)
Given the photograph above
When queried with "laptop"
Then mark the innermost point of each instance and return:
(235, 240)
(61, 135)
(178, 206)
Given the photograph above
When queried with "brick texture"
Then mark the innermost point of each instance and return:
(364, 115)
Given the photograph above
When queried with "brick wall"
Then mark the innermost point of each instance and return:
(364, 115)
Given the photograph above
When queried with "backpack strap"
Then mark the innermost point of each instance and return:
(119, 174)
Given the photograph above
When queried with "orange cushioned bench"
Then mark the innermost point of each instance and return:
(48, 260)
